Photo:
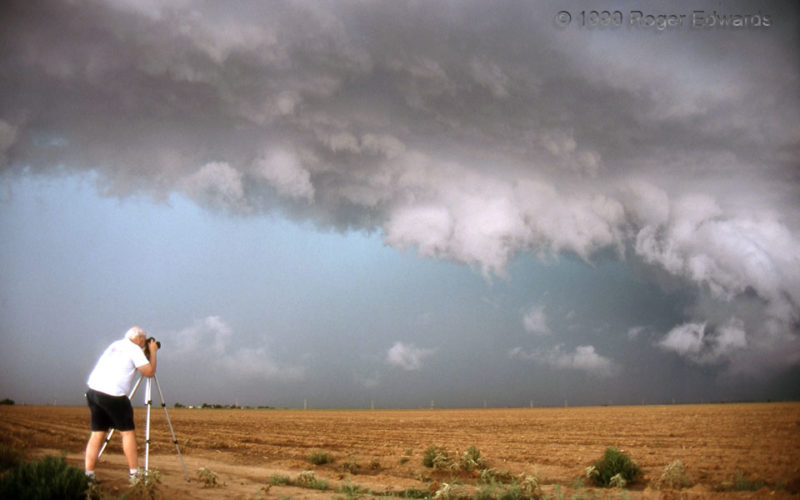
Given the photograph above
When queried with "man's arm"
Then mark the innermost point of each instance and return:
(149, 370)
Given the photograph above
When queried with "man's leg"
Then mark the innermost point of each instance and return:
(129, 448)
(93, 449)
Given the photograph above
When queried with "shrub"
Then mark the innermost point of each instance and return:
(308, 479)
(614, 465)
(207, 477)
(10, 457)
(49, 477)
(351, 489)
(674, 476)
(617, 481)
(434, 454)
(530, 487)
(471, 459)
(526, 491)
(438, 459)
(144, 487)
(279, 479)
(320, 458)
(352, 467)
(490, 476)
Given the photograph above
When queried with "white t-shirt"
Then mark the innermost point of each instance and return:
(114, 371)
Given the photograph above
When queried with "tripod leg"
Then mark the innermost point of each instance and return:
(149, 401)
(111, 432)
(171, 431)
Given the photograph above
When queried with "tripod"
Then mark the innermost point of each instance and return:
(149, 402)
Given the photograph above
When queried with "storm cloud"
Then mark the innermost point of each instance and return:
(471, 131)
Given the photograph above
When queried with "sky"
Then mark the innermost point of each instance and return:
(406, 204)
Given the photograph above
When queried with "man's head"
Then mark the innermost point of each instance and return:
(137, 335)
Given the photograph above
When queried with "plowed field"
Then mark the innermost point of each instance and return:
(726, 448)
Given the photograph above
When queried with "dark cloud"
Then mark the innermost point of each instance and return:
(470, 131)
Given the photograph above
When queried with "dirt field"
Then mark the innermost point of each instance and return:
(245, 448)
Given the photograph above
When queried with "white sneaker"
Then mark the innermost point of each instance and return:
(134, 478)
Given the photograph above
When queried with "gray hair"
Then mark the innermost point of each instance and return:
(134, 332)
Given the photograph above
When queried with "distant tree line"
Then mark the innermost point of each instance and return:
(218, 406)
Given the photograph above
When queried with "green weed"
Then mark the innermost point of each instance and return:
(614, 465)
(144, 487)
(320, 458)
(308, 479)
(471, 459)
(435, 457)
(49, 477)
(489, 476)
(439, 459)
(674, 476)
(10, 457)
(280, 480)
(207, 477)
(351, 489)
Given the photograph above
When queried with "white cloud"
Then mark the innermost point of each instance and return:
(535, 321)
(472, 220)
(583, 358)
(286, 174)
(647, 204)
(726, 253)
(216, 183)
(210, 343)
(407, 356)
(705, 346)
(686, 339)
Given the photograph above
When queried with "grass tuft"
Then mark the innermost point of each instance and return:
(280, 480)
(674, 476)
(471, 459)
(439, 459)
(351, 489)
(308, 479)
(207, 477)
(144, 487)
(434, 455)
(320, 458)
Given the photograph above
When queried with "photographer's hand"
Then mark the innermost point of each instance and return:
(149, 370)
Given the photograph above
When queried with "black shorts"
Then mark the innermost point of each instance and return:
(110, 411)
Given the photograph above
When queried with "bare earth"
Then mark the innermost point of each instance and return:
(245, 448)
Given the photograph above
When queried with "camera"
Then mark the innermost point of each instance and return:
(146, 347)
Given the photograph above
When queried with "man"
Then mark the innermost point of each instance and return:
(107, 396)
